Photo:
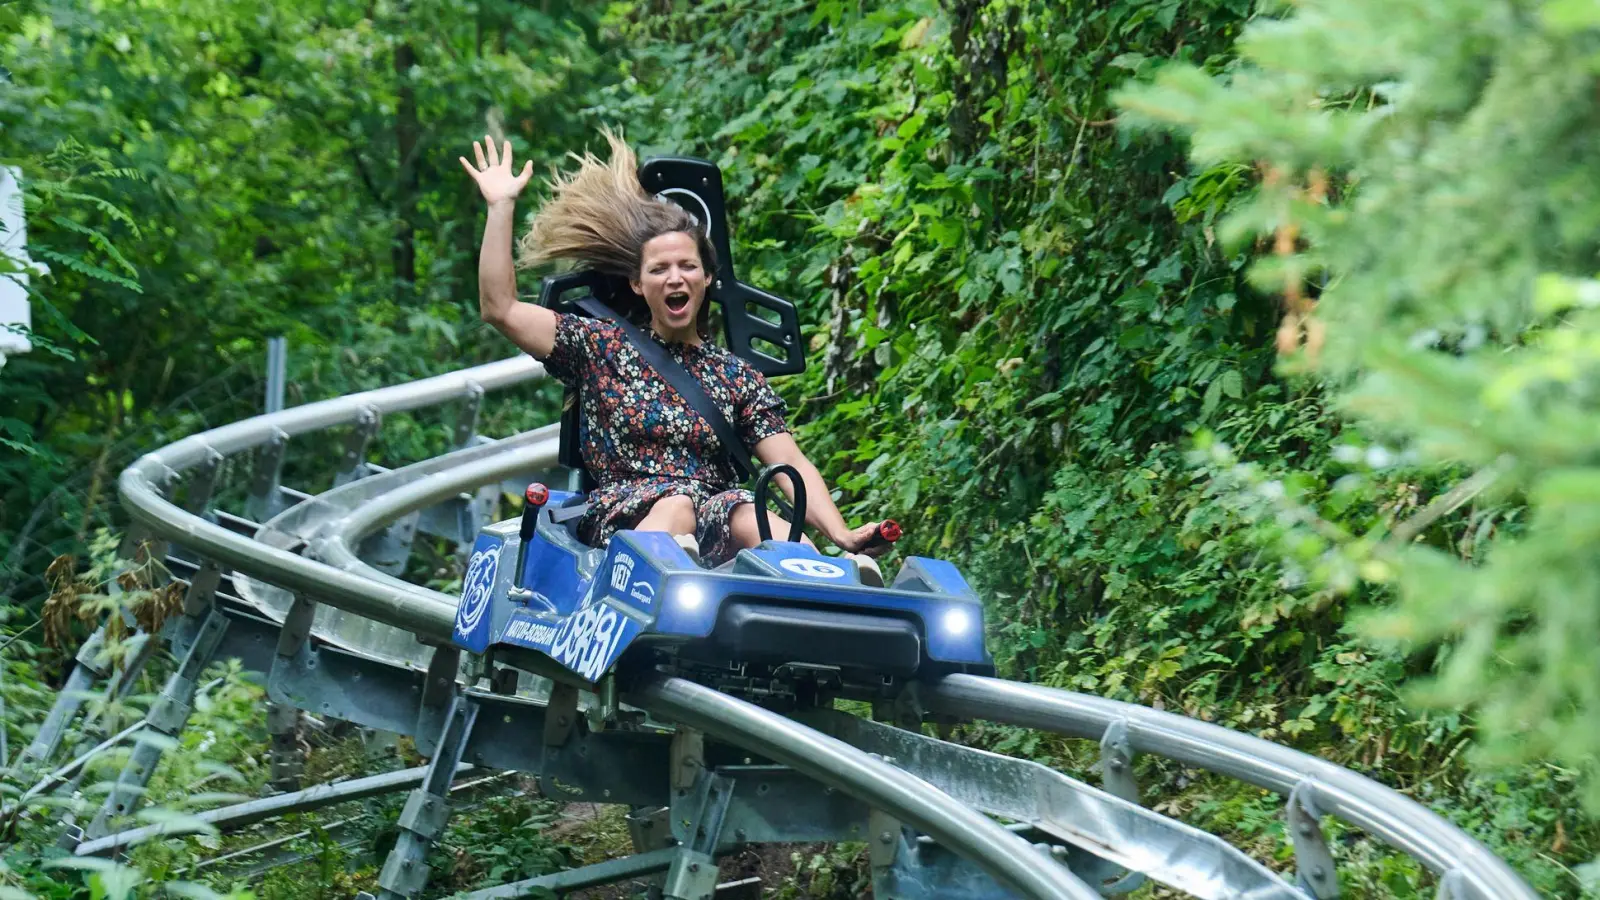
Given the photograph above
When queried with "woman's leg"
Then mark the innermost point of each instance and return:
(742, 523)
(674, 514)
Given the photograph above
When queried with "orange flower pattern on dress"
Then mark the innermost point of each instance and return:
(642, 441)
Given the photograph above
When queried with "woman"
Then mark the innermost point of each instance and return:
(658, 464)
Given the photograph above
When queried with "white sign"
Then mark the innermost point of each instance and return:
(14, 308)
(813, 568)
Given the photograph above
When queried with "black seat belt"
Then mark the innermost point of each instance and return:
(681, 381)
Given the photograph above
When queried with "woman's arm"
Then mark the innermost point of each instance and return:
(528, 325)
(821, 513)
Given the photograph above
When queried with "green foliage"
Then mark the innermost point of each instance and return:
(1459, 245)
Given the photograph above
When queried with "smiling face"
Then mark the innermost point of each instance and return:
(672, 281)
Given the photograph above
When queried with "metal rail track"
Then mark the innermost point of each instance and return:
(333, 608)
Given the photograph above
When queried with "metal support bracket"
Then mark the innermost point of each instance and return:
(439, 692)
(388, 548)
(89, 658)
(1452, 886)
(886, 832)
(283, 728)
(650, 828)
(353, 459)
(467, 424)
(264, 501)
(1313, 861)
(1116, 762)
(688, 759)
(425, 814)
(1116, 776)
(605, 705)
(202, 592)
(348, 686)
(202, 483)
(561, 714)
(297, 625)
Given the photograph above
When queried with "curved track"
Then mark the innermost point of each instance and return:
(311, 595)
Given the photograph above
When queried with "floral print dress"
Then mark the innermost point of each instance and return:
(642, 441)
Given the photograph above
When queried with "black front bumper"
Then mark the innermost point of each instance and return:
(764, 633)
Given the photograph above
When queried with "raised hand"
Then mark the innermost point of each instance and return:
(495, 179)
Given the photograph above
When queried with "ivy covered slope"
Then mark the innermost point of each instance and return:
(1023, 314)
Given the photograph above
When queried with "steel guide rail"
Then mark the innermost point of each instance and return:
(343, 580)
(1466, 865)
(428, 614)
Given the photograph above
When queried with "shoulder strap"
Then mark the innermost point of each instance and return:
(681, 381)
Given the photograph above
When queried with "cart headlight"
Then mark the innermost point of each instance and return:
(689, 596)
(957, 621)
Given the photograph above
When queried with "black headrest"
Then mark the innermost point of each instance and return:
(758, 326)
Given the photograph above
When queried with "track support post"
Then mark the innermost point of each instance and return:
(699, 813)
(283, 719)
(427, 808)
(283, 726)
(137, 546)
(649, 830)
(167, 716)
(88, 667)
(467, 423)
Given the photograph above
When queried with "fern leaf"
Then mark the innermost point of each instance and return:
(105, 206)
(129, 173)
(99, 240)
(89, 269)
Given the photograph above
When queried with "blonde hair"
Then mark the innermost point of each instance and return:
(600, 216)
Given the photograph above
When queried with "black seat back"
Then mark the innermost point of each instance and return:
(759, 327)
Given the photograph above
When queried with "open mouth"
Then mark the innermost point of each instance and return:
(677, 301)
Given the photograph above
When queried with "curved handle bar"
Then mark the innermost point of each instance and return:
(795, 514)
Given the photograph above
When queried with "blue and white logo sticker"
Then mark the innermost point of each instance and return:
(588, 641)
(621, 572)
(812, 568)
(476, 589)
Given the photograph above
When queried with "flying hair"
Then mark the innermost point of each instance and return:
(600, 216)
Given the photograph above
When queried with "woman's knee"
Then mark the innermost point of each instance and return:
(674, 513)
